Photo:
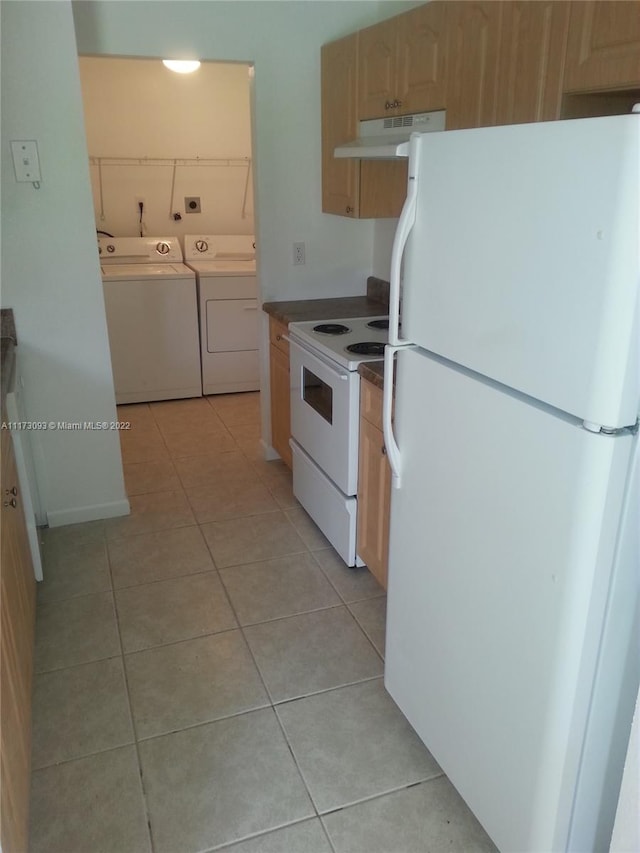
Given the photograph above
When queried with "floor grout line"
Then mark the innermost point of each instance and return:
(132, 717)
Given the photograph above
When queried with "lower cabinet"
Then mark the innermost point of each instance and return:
(374, 485)
(17, 621)
(280, 394)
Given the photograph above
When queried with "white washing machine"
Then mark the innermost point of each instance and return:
(225, 267)
(152, 317)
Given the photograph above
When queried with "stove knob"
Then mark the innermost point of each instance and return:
(111, 248)
(163, 248)
(202, 245)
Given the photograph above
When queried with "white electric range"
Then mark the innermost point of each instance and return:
(325, 409)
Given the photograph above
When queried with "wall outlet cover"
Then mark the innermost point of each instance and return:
(192, 204)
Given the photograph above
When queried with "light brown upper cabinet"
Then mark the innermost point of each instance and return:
(603, 50)
(531, 61)
(473, 42)
(339, 79)
(354, 188)
(402, 64)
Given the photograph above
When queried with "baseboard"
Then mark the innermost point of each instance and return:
(268, 452)
(76, 515)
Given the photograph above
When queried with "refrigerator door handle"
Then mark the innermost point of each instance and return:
(390, 443)
(405, 225)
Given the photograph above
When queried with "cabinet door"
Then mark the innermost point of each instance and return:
(280, 404)
(473, 38)
(421, 62)
(377, 52)
(339, 68)
(603, 50)
(17, 620)
(374, 500)
(531, 62)
(383, 188)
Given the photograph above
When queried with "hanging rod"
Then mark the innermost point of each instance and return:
(170, 161)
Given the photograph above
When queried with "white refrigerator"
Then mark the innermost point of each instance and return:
(512, 628)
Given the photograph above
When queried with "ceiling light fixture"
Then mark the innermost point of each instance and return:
(182, 66)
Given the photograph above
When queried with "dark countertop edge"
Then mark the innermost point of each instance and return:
(372, 371)
(8, 324)
(7, 366)
(375, 303)
(341, 307)
(8, 341)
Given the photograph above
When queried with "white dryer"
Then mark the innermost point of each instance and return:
(225, 267)
(152, 317)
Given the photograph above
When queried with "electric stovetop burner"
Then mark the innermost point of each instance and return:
(366, 348)
(331, 329)
(378, 324)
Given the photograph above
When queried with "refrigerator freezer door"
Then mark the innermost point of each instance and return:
(501, 551)
(523, 262)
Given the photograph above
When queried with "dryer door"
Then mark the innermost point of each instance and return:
(232, 325)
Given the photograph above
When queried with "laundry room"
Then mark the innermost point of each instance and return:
(170, 153)
(170, 159)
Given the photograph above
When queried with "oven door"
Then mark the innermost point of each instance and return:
(324, 414)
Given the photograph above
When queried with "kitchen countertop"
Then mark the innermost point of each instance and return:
(8, 343)
(374, 304)
(324, 309)
(373, 371)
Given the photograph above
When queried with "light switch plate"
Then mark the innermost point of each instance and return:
(25, 160)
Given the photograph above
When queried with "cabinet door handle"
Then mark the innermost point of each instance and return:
(349, 209)
(384, 450)
(13, 502)
(13, 491)
(388, 105)
(397, 103)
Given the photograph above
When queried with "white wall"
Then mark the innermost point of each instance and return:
(137, 108)
(50, 273)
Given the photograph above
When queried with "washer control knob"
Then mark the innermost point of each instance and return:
(202, 245)
(163, 248)
(111, 248)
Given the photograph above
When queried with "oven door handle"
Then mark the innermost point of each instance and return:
(334, 367)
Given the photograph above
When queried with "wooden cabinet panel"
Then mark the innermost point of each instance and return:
(377, 54)
(374, 486)
(603, 50)
(353, 188)
(531, 62)
(421, 63)
(340, 177)
(383, 188)
(402, 63)
(473, 39)
(17, 615)
(280, 394)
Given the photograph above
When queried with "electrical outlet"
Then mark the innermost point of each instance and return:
(192, 204)
(298, 254)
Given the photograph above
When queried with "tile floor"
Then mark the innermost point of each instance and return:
(209, 673)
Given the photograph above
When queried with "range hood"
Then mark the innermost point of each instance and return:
(388, 138)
